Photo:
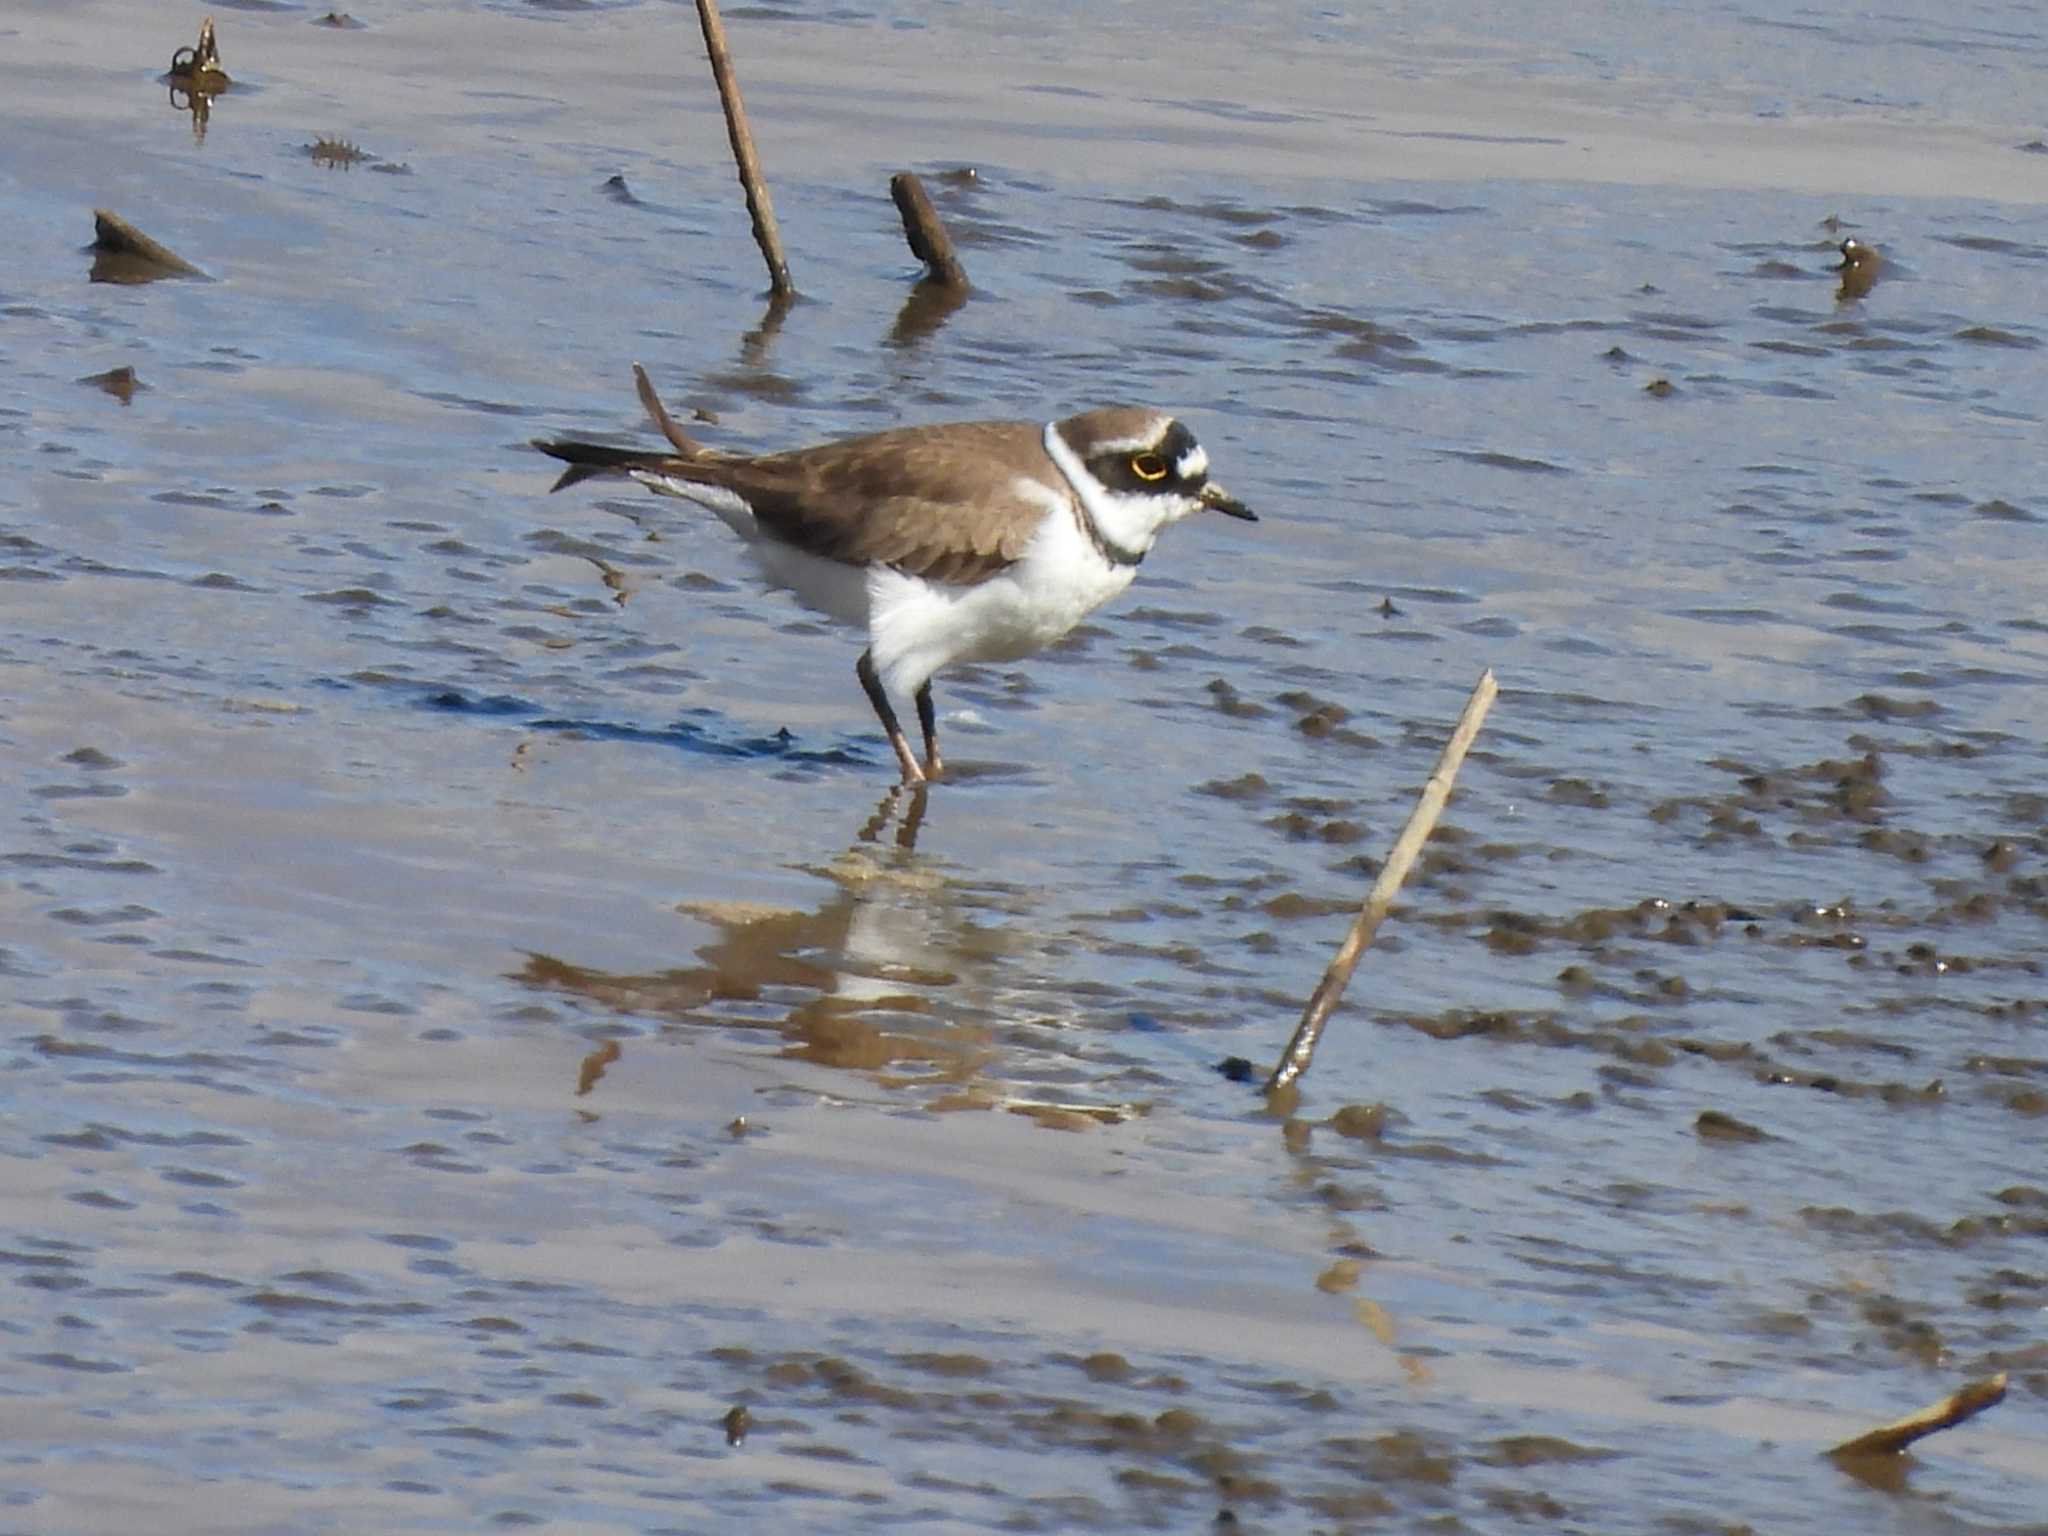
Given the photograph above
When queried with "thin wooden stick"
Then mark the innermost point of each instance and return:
(1295, 1059)
(925, 231)
(766, 234)
(682, 442)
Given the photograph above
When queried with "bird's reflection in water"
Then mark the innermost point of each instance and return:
(911, 800)
(906, 972)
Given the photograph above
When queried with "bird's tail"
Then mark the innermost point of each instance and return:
(589, 459)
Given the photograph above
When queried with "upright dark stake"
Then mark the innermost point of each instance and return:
(766, 234)
(1294, 1060)
(922, 227)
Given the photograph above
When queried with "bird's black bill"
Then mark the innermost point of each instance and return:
(1216, 499)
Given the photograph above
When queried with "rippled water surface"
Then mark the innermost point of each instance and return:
(476, 1018)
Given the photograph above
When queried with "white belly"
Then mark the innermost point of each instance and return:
(919, 627)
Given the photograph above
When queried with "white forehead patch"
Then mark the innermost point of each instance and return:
(1193, 464)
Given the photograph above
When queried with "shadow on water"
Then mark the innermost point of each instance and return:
(712, 738)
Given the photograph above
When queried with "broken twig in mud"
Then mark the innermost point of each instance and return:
(1892, 1438)
(1295, 1059)
(766, 234)
(926, 232)
(127, 255)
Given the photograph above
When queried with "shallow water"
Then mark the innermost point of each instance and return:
(477, 1017)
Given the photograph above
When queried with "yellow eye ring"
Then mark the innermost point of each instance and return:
(1148, 466)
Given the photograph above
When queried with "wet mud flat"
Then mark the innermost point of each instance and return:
(486, 1047)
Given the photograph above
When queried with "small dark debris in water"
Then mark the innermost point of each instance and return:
(956, 1364)
(705, 414)
(119, 382)
(1230, 702)
(1249, 786)
(1361, 1122)
(1998, 510)
(198, 68)
(487, 704)
(1307, 826)
(1878, 707)
(1712, 1125)
(1542, 1450)
(1618, 354)
(2033, 147)
(1660, 388)
(736, 1423)
(340, 20)
(1387, 610)
(961, 176)
(1107, 1365)
(1340, 1277)
(739, 1127)
(124, 254)
(616, 189)
(1235, 1069)
(1512, 934)
(1891, 1439)
(593, 1066)
(1832, 223)
(1858, 268)
(1579, 792)
(326, 151)
(1995, 336)
(1322, 721)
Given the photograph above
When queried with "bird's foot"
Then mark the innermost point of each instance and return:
(913, 774)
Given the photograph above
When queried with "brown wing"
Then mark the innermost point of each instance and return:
(938, 502)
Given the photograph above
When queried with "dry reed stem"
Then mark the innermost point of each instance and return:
(766, 234)
(1421, 821)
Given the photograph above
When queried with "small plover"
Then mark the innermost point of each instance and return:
(962, 541)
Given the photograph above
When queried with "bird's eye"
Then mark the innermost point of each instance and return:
(1148, 466)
